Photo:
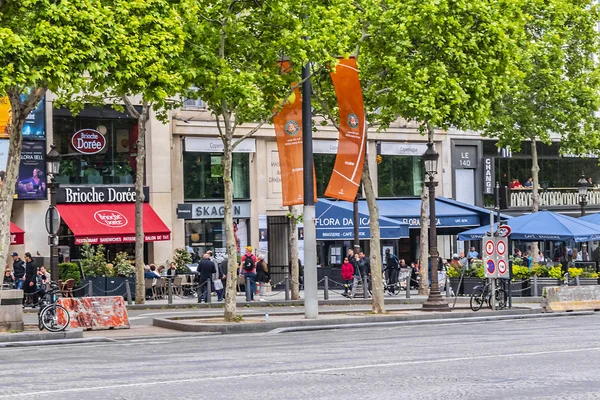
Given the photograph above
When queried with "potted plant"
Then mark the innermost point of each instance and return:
(588, 277)
(521, 283)
(123, 272)
(181, 258)
(95, 268)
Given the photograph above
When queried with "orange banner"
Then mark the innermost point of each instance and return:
(345, 179)
(288, 131)
(4, 117)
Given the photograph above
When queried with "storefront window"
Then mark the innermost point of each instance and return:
(113, 164)
(400, 176)
(203, 176)
(323, 169)
(205, 235)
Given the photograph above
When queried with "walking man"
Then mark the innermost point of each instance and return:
(248, 267)
(18, 271)
(392, 265)
(206, 269)
(30, 279)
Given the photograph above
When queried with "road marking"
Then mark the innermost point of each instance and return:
(299, 372)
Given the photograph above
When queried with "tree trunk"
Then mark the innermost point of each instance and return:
(140, 284)
(378, 306)
(535, 196)
(424, 243)
(19, 112)
(293, 253)
(231, 292)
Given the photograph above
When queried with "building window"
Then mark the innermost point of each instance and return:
(400, 176)
(323, 169)
(114, 164)
(203, 176)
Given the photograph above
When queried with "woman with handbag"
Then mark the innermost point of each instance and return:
(262, 274)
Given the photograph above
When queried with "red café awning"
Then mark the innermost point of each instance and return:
(111, 223)
(17, 235)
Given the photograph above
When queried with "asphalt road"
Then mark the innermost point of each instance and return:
(550, 358)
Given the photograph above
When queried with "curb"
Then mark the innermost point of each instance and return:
(457, 320)
(39, 336)
(34, 342)
(344, 321)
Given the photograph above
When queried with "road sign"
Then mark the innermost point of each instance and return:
(501, 247)
(52, 221)
(489, 247)
(502, 268)
(490, 267)
(503, 231)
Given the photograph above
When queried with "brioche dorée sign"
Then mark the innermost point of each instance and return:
(110, 218)
(88, 141)
(98, 194)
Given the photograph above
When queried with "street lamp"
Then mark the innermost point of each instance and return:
(52, 215)
(583, 188)
(435, 301)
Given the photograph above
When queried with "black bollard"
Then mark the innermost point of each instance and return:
(128, 292)
(326, 285)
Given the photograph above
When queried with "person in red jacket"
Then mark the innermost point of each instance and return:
(347, 274)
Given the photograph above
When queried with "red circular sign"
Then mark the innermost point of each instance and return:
(503, 231)
(489, 247)
(501, 247)
(502, 266)
(110, 218)
(88, 141)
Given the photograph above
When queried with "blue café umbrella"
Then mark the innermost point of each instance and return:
(593, 218)
(541, 226)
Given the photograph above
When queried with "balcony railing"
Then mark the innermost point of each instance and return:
(553, 197)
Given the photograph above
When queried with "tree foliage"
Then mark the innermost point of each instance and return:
(557, 90)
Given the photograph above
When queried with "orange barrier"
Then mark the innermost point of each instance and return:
(96, 313)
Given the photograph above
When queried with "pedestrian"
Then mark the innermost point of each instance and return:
(18, 271)
(248, 267)
(464, 262)
(347, 272)
(262, 274)
(473, 253)
(221, 280)
(43, 279)
(205, 269)
(392, 268)
(358, 273)
(8, 277)
(30, 287)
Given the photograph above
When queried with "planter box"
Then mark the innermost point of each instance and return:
(454, 285)
(115, 286)
(469, 284)
(585, 281)
(522, 288)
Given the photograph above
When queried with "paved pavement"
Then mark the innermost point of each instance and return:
(554, 358)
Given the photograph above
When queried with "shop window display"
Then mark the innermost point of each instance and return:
(203, 176)
(400, 176)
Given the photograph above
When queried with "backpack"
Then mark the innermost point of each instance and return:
(393, 262)
(248, 263)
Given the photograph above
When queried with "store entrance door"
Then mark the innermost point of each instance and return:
(278, 228)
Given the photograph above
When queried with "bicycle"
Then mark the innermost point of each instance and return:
(481, 295)
(52, 316)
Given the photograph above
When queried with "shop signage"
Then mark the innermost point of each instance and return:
(98, 194)
(88, 141)
(402, 149)
(325, 146)
(215, 145)
(110, 218)
(488, 175)
(212, 210)
(464, 157)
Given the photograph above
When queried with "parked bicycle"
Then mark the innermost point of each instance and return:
(52, 316)
(482, 295)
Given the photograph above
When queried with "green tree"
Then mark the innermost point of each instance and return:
(440, 63)
(44, 45)
(557, 91)
(236, 47)
(146, 70)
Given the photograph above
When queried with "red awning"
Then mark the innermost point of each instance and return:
(111, 223)
(17, 235)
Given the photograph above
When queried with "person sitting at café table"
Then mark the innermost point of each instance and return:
(8, 276)
(529, 183)
(172, 271)
(515, 184)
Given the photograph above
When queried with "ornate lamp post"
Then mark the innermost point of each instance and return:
(583, 189)
(435, 301)
(52, 215)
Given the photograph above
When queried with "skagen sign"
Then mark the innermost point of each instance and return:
(88, 141)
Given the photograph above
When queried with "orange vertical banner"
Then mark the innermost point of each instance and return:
(4, 117)
(288, 132)
(347, 171)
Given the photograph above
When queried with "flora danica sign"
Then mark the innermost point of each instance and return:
(102, 194)
(88, 141)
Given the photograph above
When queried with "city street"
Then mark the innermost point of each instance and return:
(549, 358)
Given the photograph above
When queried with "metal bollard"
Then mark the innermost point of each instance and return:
(535, 286)
(128, 292)
(209, 291)
(170, 291)
(90, 289)
(577, 283)
(326, 286)
(287, 288)
(248, 290)
(408, 283)
(447, 286)
(365, 287)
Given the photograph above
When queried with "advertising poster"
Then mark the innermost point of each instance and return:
(301, 242)
(263, 241)
(347, 171)
(31, 183)
(4, 143)
(35, 124)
